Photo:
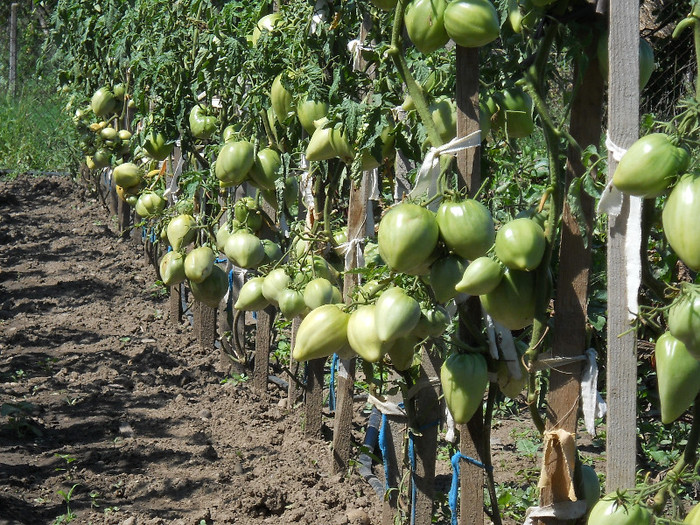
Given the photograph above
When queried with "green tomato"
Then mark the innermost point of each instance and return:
(588, 486)
(291, 303)
(464, 378)
(678, 376)
(507, 384)
(172, 268)
(202, 125)
(328, 143)
(181, 231)
(363, 336)
(512, 302)
(323, 332)
(693, 517)
(224, 232)
(273, 284)
(646, 59)
(444, 114)
(281, 100)
(149, 204)
(102, 158)
(514, 114)
(432, 323)
(445, 273)
(199, 264)
(472, 23)
(466, 227)
(402, 351)
(397, 314)
(684, 318)
(273, 252)
(520, 244)
(407, 237)
(384, 5)
(425, 26)
(157, 146)
(680, 212)
(650, 166)
(610, 511)
(109, 133)
(265, 170)
(235, 160)
(371, 254)
(103, 102)
(318, 292)
(244, 250)
(266, 23)
(309, 111)
(250, 296)
(212, 289)
(482, 276)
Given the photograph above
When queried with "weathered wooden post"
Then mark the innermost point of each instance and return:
(13, 49)
(623, 274)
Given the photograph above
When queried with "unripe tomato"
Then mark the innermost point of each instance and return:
(432, 323)
(328, 143)
(244, 249)
(407, 236)
(472, 23)
(397, 314)
(362, 334)
(693, 517)
(273, 252)
(610, 511)
(514, 115)
(444, 114)
(512, 302)
(402, 351)
(265, 170)
(103, 102)
(464, 378)
(124, 135)
(424, 21)
(649, 166)
(266, 23)
(157, 146)
(274, 283)
(281, 100)
(384, 5)
(235, 160)
(445, 273)
(109, 133)
(149, 204)
(199, 263)
(646, 60)
(588, 487)
(250, 296)
(181, 231)
(202, 124)
(318, 292)
(466, 227)
(224, 232)
(172, 268)
(678, 376)
(482, 276)
(684, 319)
(291, 303)
(101, 158)
(680, 212)
(309, 111)
(212, 289)
(321, 333)
(520, 244)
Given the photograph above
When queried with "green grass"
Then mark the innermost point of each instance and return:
(36, 133)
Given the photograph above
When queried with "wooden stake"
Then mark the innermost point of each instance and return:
(263, 339)
(13, 50)
(314, 398)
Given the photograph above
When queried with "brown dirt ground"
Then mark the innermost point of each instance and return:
(124, 406)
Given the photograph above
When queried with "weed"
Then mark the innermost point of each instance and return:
(235, 379)
(69, 515)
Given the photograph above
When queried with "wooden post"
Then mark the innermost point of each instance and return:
(314, 398)
(123, 217)
(175, 304)
(13, 49)
(205, 325)
(395, 434)
(293, 376)
(263, 339)
(471, 444)
(569, 337)
(623, 122)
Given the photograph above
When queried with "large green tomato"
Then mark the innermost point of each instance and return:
(250, 296)
(244, 249)
(680, 214)
(212, 289)
(520, 244)
(266, 23)
(127, 175)
(318, 292)
(649, 166)
(309, 111)
(172, 268)
(397, 314)
(425, 25)
(678, 375)
(281, 100)
(482, 276)
(322, 333)
(402, 351)
(274, 283)
(445, 273)
(646, 59)
(684, 318)
(362, 334)
(235, 160)
(291, 303)
(328, 143)
(464, 378)
(157, 146)
(199, 264)
(265, 170)
(512, 302)
(407, 236)
(202, 124)
(588, 486)
(149, 204)
(693, 517)
(472, 23)
(103, 102)
(610, 511)
(514, 114)
(466, 227)
(432, 323)
(181, 231)
(444, 114)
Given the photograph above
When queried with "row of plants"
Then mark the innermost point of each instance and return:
(299, 102)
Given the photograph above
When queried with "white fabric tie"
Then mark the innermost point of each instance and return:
(426, 179)
(347, 248)
(385, 407)
(592, 402)
(611, 199)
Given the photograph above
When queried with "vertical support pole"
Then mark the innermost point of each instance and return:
(13, 49)
(205, 325)
(623, 129)
(175, 304)
(471, 510)
(569, 338)
(395, 435)
(293, 376)
(314, 398)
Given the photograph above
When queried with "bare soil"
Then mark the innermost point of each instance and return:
(104, 396)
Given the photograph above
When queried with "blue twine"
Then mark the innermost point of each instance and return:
(143, 234)
(220, 260)
(170, 248)
(384, 448)
(229, 301)
(331, 393)
(153, 235)
(412, 461)
(452, 497)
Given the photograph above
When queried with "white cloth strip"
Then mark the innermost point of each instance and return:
(592, 403)
(385, 407)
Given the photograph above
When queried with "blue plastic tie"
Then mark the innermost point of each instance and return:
(220, 260)
(454, 489)
(412, 462)
(229, 301)
(153, 235)
(331, 388)
(384, 448)
(143, 234)
(170, 248)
